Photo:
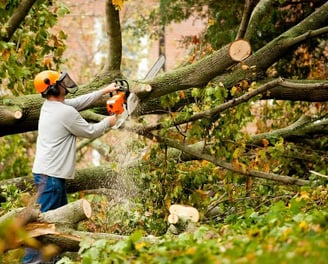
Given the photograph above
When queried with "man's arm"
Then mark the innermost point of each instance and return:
(83, 101)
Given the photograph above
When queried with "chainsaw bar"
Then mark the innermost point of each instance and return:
(155, 68)
(132, 101)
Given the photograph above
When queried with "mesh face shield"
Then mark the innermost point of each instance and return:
(66, 81)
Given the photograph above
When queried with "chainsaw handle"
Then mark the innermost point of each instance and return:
(123, 84)
(123, 87)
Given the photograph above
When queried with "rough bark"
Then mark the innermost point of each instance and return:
(113, 30)
(68, 215)
(248, 8)
(85, 179)
(194, 75)
(307, 91)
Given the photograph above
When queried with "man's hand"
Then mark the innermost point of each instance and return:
(110, 88)
(112, 120)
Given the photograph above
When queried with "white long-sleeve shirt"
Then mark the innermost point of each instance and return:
(59, 126)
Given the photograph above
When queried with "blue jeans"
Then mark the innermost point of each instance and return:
(51, 195)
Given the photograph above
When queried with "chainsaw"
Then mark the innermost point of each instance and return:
(122, 102)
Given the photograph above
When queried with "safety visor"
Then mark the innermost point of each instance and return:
(66, 81)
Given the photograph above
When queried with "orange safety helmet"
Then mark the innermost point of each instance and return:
(44, 79)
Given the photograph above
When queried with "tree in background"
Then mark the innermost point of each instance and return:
(225, 117)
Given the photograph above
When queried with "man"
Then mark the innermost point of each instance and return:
(59, 125)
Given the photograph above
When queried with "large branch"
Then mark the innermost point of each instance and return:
(299, 90)
(248, 8)
(228, 166)
(194, 75)
(16, 19)
(265, 90)
(259, 12)
(312, 26)
(305, 127)
(85, 179)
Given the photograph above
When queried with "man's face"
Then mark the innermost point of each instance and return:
(62, 90)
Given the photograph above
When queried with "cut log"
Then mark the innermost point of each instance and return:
(68, 215)
(173, 219)
(184, 212)
(10, 114)
(182, 218)
(70, 239)
(240, 50)
(54, 222)
(21, 215)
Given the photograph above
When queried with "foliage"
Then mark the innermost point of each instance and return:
(292, 229)
(14, 160)
(32, 48)
(15, 198)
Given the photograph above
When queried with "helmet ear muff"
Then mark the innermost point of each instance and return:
(51, 90)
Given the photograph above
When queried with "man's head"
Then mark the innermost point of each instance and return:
(51, 82)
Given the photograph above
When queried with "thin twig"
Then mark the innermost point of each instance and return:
(318, 174)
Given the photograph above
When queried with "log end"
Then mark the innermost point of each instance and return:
(145, 88)
(240, 50)
(173, 219)
(183, 211)
(18, 114)
(86, 208)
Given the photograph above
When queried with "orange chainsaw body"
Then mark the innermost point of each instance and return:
(115, 104)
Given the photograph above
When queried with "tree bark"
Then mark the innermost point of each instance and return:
(85, 179)
(194, 75)
(113, 29)
(248, 8)
(68, 215)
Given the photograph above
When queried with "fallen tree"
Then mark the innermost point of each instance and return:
(57, 227)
